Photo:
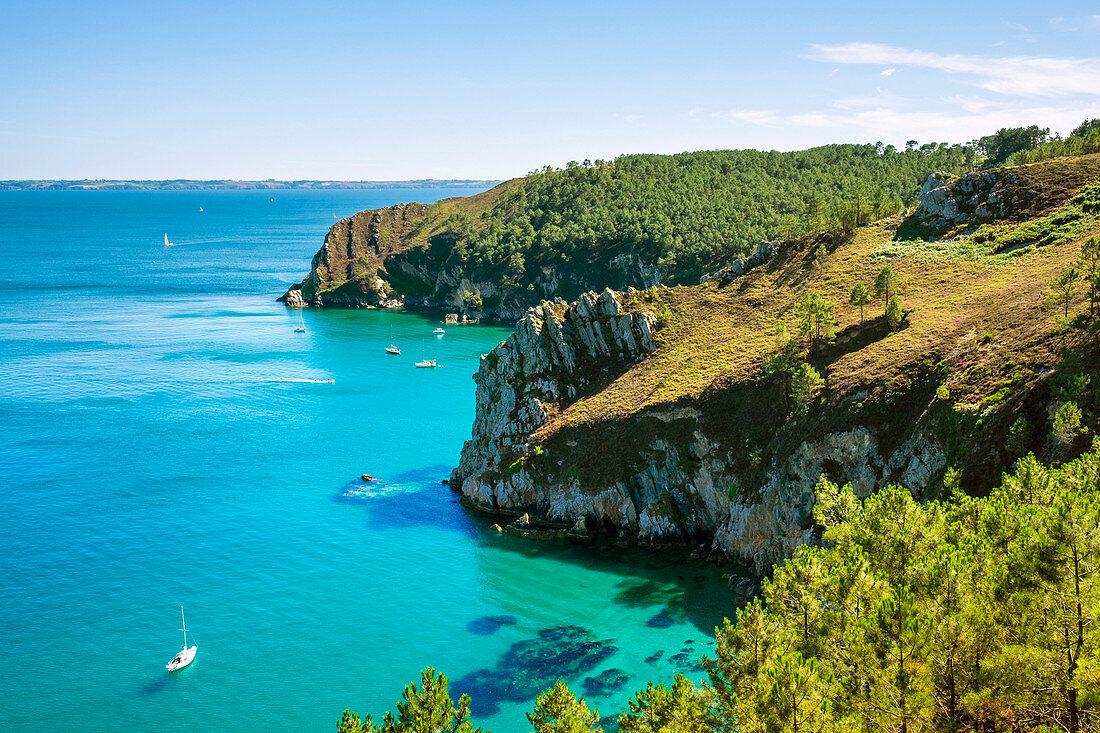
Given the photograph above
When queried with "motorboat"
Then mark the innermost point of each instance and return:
(391, 349)
(428, 364)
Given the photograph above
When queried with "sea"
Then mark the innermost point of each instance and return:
(168, 438)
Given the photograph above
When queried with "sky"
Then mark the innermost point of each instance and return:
(393, 91)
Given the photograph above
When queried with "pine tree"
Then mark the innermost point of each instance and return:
(886, 283)
(430, 709)
(559, 711)
(682, 708)
(1063, 287)
(895, 312)
(806, 385)
(858, 298)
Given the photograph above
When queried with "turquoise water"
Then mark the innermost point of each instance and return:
(167, 438)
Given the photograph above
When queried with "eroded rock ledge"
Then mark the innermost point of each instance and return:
(674, 494)
(540, 367)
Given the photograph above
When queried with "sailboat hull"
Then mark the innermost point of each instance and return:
(184, 658)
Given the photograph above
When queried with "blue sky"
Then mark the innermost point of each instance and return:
(363, 90)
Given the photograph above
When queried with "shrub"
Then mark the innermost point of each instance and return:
(806, 386)
(1067, 423)
(895, 313)
(1019, 437)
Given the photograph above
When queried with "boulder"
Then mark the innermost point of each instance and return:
(293, 299)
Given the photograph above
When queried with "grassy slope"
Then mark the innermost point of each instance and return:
(716, 341)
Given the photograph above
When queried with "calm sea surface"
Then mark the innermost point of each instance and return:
(166, 438)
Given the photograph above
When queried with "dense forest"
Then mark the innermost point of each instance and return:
(975, 614)
(691, 211)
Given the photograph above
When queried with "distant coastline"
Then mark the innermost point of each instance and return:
(187, 184)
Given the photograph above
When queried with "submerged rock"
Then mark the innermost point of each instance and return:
(605, 683)
(487, 625)
(662, 620)
(529, 667)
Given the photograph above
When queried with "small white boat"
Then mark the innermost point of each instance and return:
(186, 655)
(200, 209)
(429, 364)
(334, 216)
(391, 349)
(299, 329)
(166, 242)
(439, 332)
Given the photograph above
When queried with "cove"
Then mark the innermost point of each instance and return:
(167, 438)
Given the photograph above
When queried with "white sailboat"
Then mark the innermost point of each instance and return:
(186, 655)
(166, 242)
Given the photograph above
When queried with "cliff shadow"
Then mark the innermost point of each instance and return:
(667, 586)
(411, 499)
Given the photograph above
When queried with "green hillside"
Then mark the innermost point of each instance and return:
(636, 221)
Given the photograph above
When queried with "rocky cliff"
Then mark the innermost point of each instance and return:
(405, 256)
(659, 417)
(678, 490)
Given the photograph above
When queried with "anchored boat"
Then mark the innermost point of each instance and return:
(186, 655)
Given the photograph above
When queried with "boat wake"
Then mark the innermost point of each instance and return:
(301, 380)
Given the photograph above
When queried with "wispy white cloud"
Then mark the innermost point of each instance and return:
(1011, 75)
(947, 123)
(750, 116)
(888, 72)
(1069, 25)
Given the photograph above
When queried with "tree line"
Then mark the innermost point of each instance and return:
(689, 212)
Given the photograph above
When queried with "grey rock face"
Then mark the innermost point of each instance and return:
(674, 494)
(294, 299)
(762, 253)
(534, 367)
(947, 203)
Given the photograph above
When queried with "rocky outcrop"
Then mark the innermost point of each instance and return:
(947, 202)
(402, 257)
(763, 252)
(675, 494)
(542, 364)
(294, 299)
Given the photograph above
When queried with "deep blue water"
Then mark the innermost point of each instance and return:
(163, 442)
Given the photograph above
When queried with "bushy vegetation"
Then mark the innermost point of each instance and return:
(976, 614)
(691, 211)
(1009, 141)
(1083, 140)
(999, 243)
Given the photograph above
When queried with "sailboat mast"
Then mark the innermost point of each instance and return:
(184, 622)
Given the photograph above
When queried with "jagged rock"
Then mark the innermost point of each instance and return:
(677, 494)
(948, 203)
(762, 253)
(538, 364)
(450, 318)
(293, 299)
